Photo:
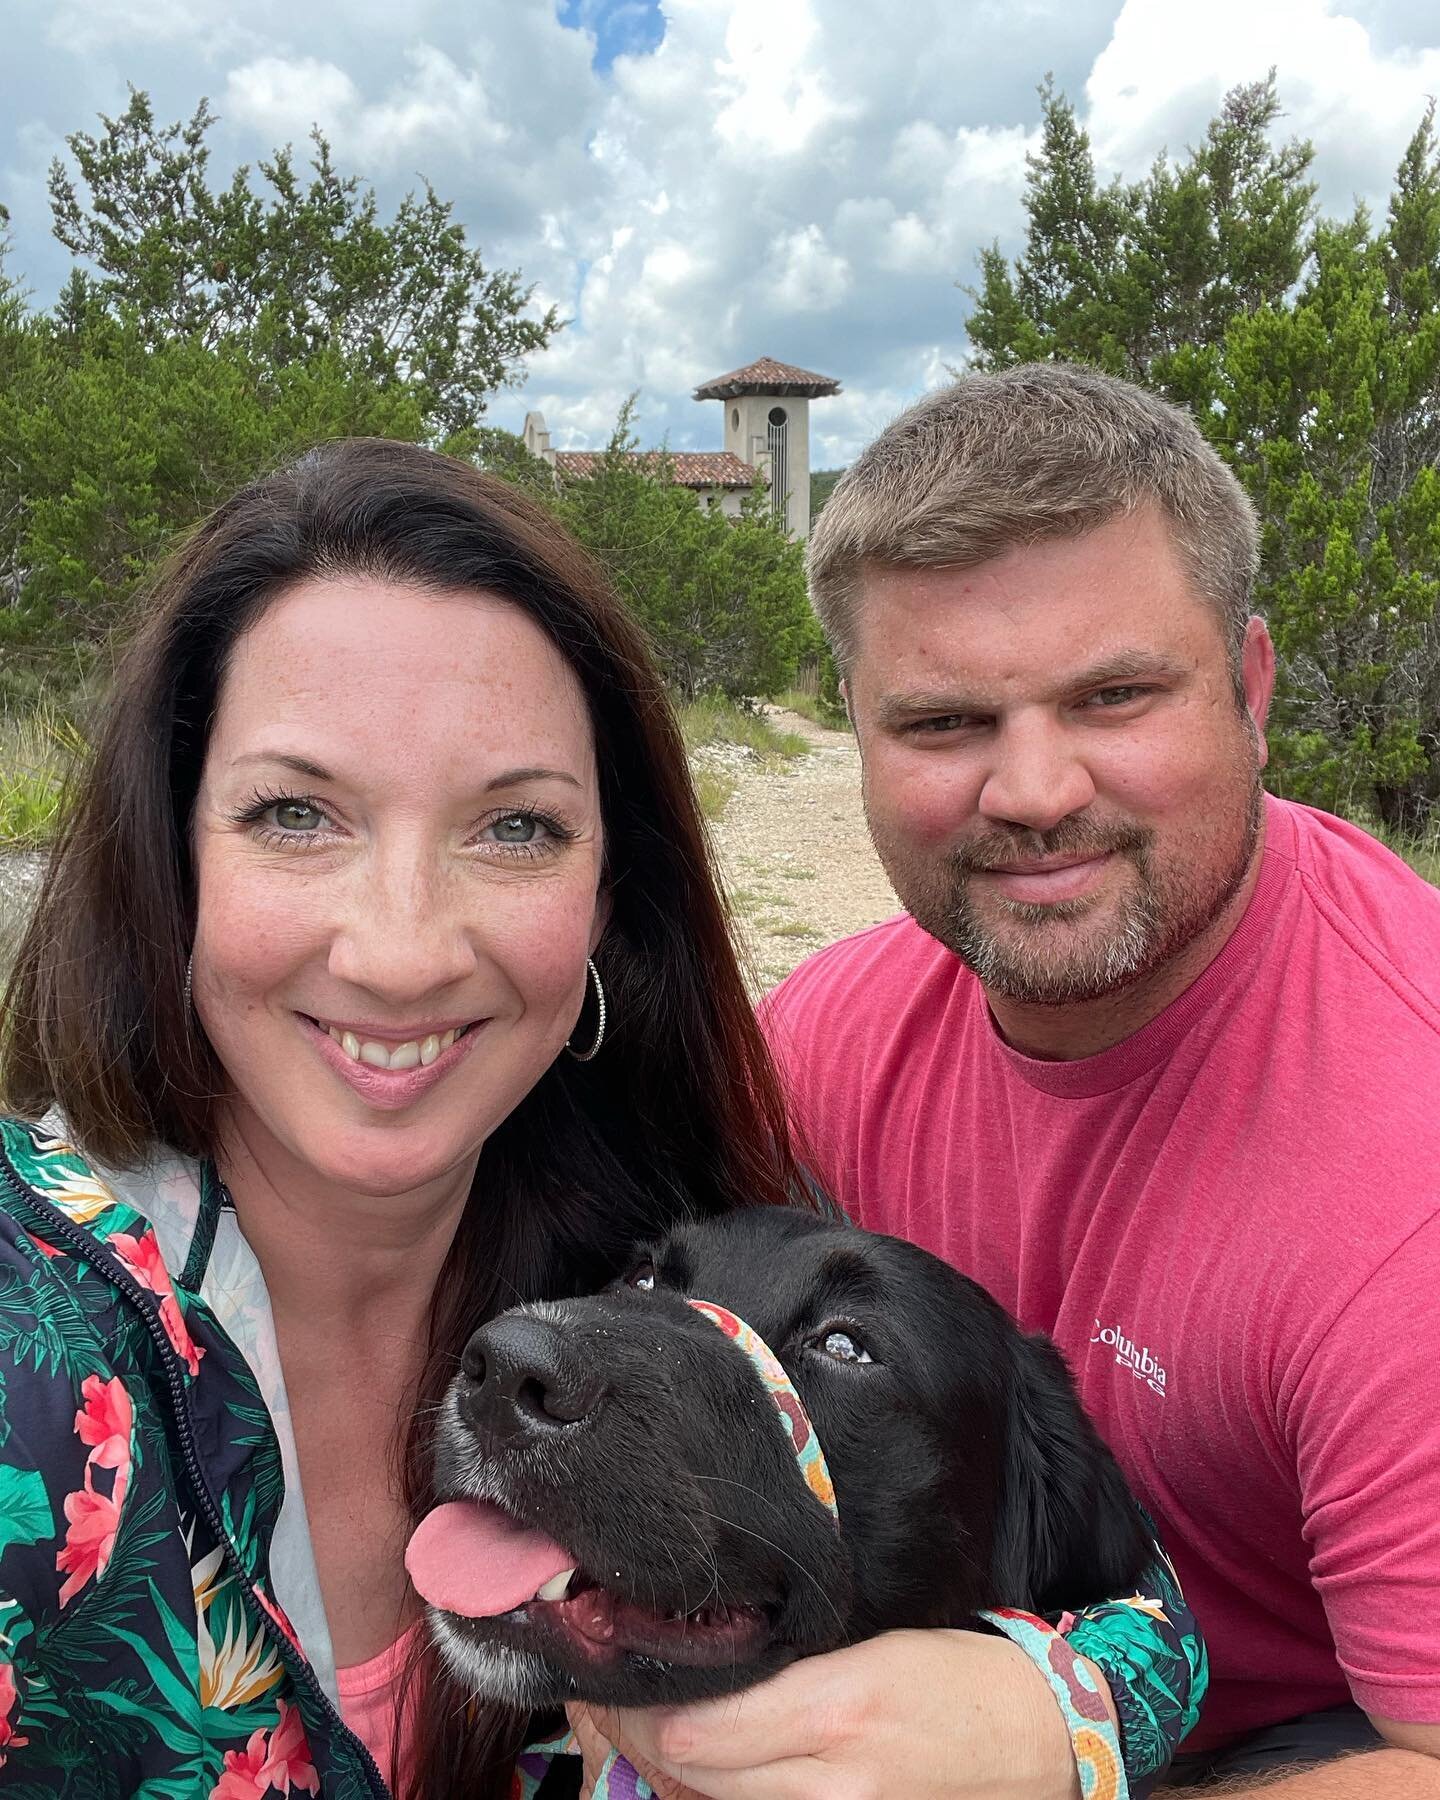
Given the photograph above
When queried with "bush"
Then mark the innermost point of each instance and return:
(723, 600)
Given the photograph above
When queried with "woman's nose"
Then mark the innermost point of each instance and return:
(404, 935)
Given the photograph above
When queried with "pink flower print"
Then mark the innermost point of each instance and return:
(90, 1539)
(277, 1613)
(241, 1775)
(278, 1765)
(9, 1694)
(141, 1256)
(288, 1764)
(105, 1422)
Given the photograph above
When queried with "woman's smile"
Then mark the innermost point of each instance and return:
(410, 1068)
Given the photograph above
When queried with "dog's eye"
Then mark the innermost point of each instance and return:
(843, 1346)
(642, 1277)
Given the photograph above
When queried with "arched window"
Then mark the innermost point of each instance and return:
(779, 461)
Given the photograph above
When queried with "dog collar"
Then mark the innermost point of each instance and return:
(804, 1440)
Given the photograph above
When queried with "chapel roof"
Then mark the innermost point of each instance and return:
(690, 468)
(766, 376)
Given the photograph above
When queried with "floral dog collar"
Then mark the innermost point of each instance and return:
(801, 1433)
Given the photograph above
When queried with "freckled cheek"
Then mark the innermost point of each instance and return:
(1163, 778)
(922, 798)
(257, 927)
(539, 938)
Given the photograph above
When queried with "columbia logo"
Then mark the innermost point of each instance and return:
(1141, 1363)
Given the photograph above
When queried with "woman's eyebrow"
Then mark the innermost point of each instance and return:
(300, 764)
(313, 771)
(515, 777)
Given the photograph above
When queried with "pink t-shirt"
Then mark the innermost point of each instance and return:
(1230, 1223)
(369, 1693)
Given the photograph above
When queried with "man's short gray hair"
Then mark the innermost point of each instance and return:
(1043, 451)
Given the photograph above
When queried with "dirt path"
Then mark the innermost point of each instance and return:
(794, 850)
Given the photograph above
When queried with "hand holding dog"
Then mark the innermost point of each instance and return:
(935, 1715)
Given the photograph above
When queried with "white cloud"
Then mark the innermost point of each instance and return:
(807, 179)
(1166, 67)
(436, 110)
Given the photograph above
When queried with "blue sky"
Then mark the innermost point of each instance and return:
(696, 183)
(619, 27)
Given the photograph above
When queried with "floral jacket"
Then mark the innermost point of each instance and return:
(141, 1650)
(142, 1484)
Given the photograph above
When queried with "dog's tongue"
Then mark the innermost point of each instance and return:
(468, 1557)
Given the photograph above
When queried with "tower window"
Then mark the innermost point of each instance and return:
(779, 445)
(734, 418)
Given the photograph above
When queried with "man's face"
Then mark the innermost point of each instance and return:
(1057, 775)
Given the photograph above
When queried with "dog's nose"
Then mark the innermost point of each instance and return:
(525, 1377)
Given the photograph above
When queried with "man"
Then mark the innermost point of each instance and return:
(1153, 1057)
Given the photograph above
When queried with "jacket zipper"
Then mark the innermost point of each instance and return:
(199, 1484)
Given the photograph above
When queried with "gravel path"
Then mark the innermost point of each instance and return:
(794, 851)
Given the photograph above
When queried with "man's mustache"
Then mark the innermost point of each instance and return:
(1071, 837)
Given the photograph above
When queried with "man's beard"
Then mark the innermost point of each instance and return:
(1039, 961)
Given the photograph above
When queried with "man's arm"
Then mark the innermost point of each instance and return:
(1408, 1771)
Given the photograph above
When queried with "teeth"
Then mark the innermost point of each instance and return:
(556, 1587)
(416, 1053)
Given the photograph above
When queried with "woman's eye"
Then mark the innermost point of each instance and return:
(297, 815)
(516, 828)
(642, 1278)
(843, 1346)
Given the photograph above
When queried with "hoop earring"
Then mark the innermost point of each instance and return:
(594, 1050)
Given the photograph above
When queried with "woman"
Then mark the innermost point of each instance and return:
(389, 813)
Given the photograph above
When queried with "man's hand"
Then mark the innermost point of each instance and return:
(933, 1715)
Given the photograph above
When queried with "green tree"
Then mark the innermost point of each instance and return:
(723, 600)
(1309, 353)
(299, 269)
(117, 444)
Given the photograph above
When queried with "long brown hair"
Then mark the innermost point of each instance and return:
(679, 1115)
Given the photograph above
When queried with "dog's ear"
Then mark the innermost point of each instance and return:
(1068, 1533)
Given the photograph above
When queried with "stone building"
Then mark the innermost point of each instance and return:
(767, 430)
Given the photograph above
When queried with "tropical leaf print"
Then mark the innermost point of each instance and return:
(238, 1663)
(25, 1515)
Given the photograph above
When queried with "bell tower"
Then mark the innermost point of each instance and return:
(767, 425)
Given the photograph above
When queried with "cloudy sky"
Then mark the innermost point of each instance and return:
(695, 183)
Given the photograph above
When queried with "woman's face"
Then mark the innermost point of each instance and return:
(398, 849)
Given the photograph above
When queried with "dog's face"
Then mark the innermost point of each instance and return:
(630, 1524)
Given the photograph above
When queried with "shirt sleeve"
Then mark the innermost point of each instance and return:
(1149, 1648)
(1361, 1424)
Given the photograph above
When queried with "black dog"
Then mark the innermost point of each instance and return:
(632, 1526)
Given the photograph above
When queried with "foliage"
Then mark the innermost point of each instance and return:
(815, 707)
(115, 445)
(38, 751)
(305, 269)
(215, 333)
(714, 789)
(712, 719)
(723, 599)
(1309, 353)
(822, 485)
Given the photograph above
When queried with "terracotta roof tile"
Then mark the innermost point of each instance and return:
(768, 377)
(692, 468)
